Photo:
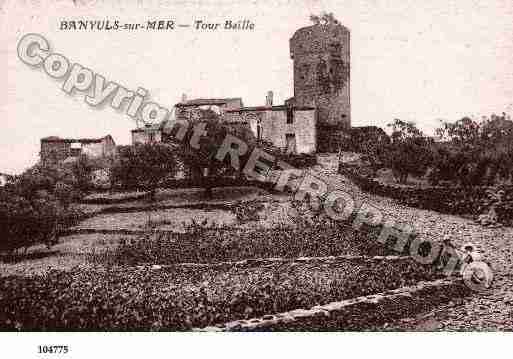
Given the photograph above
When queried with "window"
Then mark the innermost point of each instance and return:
(290, 115)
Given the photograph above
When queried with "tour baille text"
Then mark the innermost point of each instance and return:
(227, 25)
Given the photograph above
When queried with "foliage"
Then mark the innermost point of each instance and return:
(469, 152)
(408, 153)
(24, 223)
(181, 298)
(207, 245)
(248, 211)
(324, 18)
(474, 153)
(200, 158)
(145, 166)
(36, 205)
(82, 169)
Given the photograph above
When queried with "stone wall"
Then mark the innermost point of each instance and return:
(271, 125)
(105, 148)
(321, 55)
(55, 150)
(143, 136)
(355, 314)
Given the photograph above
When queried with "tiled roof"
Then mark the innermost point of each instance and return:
(272, 108)
(208, 101)
(150, 126)
(70, 140)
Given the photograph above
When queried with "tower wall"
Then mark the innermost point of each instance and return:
(321, 55)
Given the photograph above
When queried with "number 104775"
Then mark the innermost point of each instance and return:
(52, 349)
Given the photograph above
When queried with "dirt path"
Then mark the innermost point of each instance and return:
(492, 310)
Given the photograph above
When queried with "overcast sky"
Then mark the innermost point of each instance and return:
(414, 60)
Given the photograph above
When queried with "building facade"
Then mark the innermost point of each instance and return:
(289, 128)
(58, 149)
(190, 109)
(147, 134)
(321, 56)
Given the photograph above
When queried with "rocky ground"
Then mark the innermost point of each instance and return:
(488, 311)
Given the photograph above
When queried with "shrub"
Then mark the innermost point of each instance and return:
(144, 166)
(207, 245)
(26, 222)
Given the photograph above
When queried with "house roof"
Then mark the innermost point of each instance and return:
(272, 108)
(208, 101)
(150, 127)
(79, 140)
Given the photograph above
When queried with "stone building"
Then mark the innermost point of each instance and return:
(316, 119)
(185, 110)
(58, 149)
(290, 128)
(321, 55)
(150, 133)
(189, 109)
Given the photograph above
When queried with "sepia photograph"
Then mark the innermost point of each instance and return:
(291, 166)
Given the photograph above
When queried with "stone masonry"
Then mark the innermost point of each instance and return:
(321, 56)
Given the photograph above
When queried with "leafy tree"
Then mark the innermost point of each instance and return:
(24, 223)
(475, 152)
(198, 154)
(82, 169)
(145, 166)
(409, 152)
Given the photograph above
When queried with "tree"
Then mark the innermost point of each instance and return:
(324, 18)
(408, 153)
(145, 166)
(25, 222)
(82, 170)
(198, 154)
(475, 152)
(465, 131)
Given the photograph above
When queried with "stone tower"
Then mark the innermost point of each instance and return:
(321, 56)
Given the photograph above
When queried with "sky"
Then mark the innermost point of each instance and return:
(419, 61)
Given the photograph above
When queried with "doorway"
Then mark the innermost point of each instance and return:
(290, 143)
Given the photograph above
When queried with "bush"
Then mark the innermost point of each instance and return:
(459, 200)
(145, 166)
(209, 245)
(34, 208)
(300, 160)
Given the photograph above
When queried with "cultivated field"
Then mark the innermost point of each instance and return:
(186, 263)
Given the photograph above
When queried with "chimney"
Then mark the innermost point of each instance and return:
(269, 99)
(184, 98)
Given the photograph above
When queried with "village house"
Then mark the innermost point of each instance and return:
(58, 149)
(150, 133)
(189, 109)
(290, 128)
